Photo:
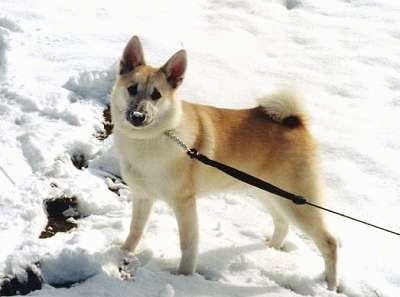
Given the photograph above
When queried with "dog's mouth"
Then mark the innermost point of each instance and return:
(138, 119)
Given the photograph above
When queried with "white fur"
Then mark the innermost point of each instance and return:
(281, 105)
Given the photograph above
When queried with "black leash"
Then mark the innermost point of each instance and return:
(259, 183)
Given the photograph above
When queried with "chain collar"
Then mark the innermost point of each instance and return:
(190, 151)
(172, 135)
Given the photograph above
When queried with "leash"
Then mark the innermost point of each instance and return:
(259, 183)
(6, 175)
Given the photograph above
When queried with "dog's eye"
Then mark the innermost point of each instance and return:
(133, 90)
(155, 95)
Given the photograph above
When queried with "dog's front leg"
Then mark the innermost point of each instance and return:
(141, 207)
(186, 215)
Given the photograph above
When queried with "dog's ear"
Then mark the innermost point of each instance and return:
(132, 56)
(175, 68)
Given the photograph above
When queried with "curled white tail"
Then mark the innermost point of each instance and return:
(282, 105)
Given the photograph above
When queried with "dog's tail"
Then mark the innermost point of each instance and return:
(284, 107)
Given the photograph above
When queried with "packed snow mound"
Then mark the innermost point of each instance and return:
(93, 84)
(70, 266)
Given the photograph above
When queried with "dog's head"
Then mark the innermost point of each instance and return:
(143, 102)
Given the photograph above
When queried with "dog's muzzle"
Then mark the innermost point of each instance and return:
(136, 118)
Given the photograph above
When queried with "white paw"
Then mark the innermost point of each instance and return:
(287, 246)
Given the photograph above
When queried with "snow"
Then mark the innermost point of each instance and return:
(57, 65)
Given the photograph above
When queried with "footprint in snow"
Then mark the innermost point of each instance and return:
(10, 24)
(210, 274)
(167, 291)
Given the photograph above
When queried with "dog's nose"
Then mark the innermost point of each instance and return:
(136, 118)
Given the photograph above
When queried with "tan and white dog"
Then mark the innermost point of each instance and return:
(270, 141)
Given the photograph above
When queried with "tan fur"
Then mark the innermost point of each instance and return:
(254, 140)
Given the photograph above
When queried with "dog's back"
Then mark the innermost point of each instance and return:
(270, 141)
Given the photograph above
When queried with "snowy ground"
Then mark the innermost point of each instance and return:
(57, 65)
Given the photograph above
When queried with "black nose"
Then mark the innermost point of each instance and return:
(136, 118)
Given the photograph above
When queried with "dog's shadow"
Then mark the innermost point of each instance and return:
(209, 279)
(151, 275)
(213, 262)
(216, 268)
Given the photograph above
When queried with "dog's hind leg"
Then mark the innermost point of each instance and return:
(281, 228)
(141, 208)
(311, 222)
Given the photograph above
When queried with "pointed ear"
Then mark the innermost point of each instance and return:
(132, 56)
(175, 68)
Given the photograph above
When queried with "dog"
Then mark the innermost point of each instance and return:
(270, 141)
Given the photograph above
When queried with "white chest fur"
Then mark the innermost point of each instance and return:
(151, 165)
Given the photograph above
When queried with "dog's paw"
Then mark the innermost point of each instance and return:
(287, 246)
(128, 267)
(273, 244)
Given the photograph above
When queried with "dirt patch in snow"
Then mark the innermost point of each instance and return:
(61, 213)
(10, 286)
(107, 125)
